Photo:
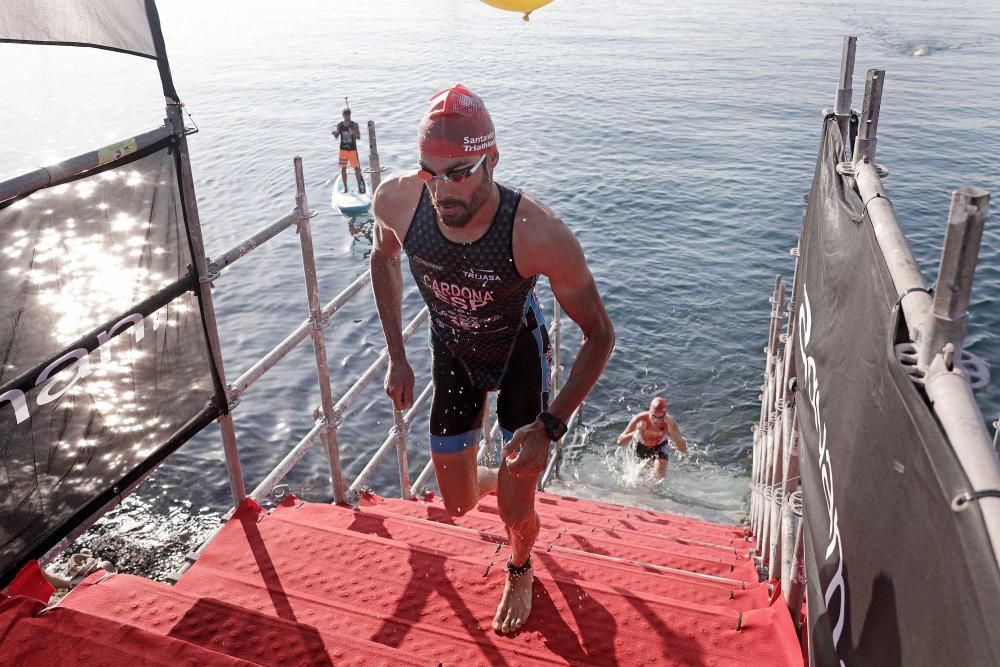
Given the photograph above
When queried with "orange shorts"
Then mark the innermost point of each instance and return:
(349, 158)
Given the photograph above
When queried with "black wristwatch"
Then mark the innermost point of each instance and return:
(555, 426)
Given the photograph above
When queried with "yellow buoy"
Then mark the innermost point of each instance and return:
(525, 6)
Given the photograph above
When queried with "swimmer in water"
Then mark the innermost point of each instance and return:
(475, 249)
(651, 432)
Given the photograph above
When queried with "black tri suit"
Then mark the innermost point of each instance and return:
(487, 330)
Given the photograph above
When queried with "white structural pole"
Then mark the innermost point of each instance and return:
(845, 91)
(757, 482)
(949, 319)
(328, 436)
(770, 401)
(374, 165)
(866, 141)
(791, 474)
(796, 590)
(556, 347)
(906, 277)
(401, 428)
(369, 470)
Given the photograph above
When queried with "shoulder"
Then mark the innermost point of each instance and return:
(396, 198)
(536, 221)
(537, 231)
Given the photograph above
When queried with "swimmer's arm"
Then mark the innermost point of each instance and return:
(674, 431)
(543, 245)
(634, 426)
(355, 130)
(336, 131)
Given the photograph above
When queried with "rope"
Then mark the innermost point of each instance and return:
(864, 211)
(796, 502)
(963, 499)
(929, 290)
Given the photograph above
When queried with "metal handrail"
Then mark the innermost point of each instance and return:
(359, 385)
(265, 363)
(345, 401)
(365, 475)
(285, 466)
(247, 245)
(70, 168)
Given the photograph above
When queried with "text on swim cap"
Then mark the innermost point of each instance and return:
(479, 143)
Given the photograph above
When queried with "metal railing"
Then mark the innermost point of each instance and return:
(936, 327)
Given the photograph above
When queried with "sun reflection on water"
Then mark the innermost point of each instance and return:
(85, 269)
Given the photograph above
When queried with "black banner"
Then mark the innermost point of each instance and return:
(895, 576)
(104, 365)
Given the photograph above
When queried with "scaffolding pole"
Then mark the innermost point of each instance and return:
(328, 435)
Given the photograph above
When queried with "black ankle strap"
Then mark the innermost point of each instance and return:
(518, 571)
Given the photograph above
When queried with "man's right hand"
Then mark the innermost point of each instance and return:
(399, 384)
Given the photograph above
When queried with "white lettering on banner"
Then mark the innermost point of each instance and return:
(18, 402)
(135, 320)
(837, 586)
(459, 295)
(79, 366)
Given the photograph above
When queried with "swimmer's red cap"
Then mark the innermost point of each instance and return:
(456, 124)
(658, 406)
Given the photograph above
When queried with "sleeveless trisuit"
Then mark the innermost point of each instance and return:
(487, 329)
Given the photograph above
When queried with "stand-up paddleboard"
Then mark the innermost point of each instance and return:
(351, 202)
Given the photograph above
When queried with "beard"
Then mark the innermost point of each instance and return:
(456, 213)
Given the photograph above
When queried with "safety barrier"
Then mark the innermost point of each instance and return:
(933, 356)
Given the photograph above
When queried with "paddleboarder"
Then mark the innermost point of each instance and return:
(348, 132)
(651, 432)
(475, 250)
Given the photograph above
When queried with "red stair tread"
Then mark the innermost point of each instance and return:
(425, 601)
(731, 567)
(484, 547)
(583, 512)
(649, 516)
(225, 628)
(673, 543)
(69, 638)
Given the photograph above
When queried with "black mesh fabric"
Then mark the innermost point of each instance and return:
(477, 298)
(895, 577)
(103, 349)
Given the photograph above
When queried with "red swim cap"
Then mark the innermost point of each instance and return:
(658, 406)
(456, 124)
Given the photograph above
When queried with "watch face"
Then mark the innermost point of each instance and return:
(553, 425)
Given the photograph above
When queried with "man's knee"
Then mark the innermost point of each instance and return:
(457, 504)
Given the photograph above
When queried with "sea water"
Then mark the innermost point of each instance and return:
(676, 139)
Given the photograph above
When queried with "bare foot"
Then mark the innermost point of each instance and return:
(515, 604)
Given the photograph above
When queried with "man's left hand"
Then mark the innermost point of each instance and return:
(528, 450)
